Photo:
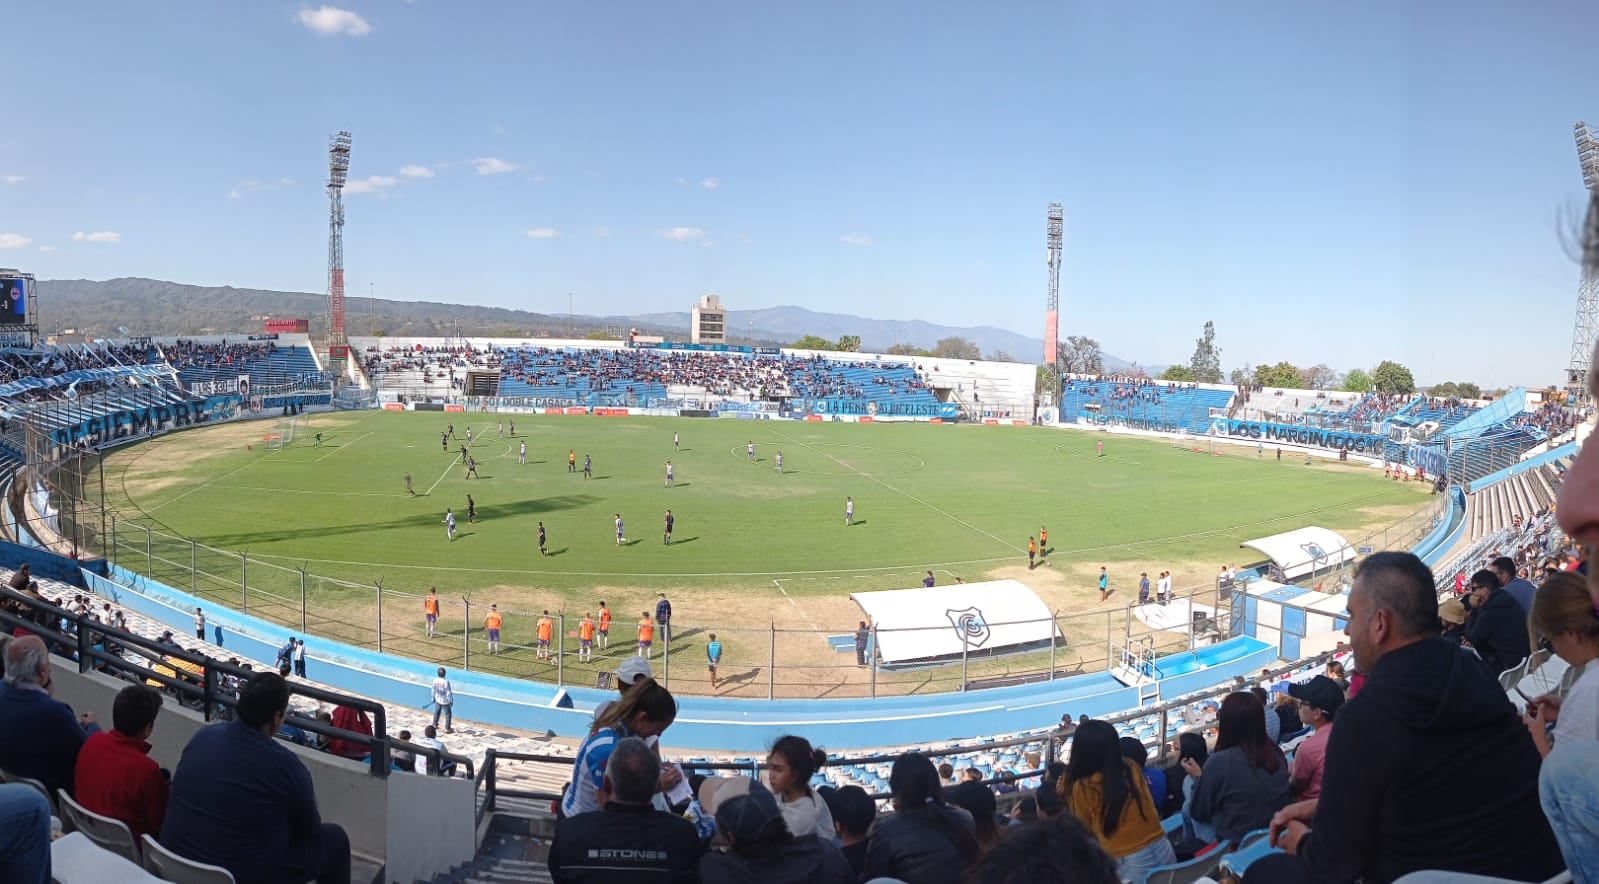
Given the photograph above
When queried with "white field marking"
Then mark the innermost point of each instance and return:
(801, 610)
(309, 491)
(342, 447)
(648, 574)
(442, 475)
(907, 494)
(202, 484)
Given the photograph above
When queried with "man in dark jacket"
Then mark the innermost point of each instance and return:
(762, 850)
(1429, 749)
(1497, 624)
(39, 735)
(629, 840)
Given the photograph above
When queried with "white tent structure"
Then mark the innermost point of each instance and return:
(1304, 551)
(942, 622)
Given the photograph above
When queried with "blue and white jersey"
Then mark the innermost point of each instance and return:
(588, 773)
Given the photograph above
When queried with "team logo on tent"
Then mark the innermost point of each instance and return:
(970, 626)
(1314, 550)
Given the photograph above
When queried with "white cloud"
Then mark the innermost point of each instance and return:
(855, 239)
(378, 184)
(47, 248)
(602, 231)
(493, 166)
(330, 21)
(14, 241)
(14, 179)
(233, 194)
(414, 171)
(543, 233)
(710, 184)
(683, 234)
(106, 236)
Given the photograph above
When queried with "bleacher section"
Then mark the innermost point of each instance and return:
(1143, 404)
(267, 364)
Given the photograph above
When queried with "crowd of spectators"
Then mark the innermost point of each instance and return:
(183, 354)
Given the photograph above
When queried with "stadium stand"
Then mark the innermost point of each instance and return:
(1142, 403)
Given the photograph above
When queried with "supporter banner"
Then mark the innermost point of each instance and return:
(1334, 440)
(946, 410)
(266, 337)
(147, 421)
(303, 400)
(704, 348)
(215, 388)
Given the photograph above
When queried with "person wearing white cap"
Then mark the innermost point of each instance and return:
(631, 671)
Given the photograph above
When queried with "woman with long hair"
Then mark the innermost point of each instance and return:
(1563, 612)
(924, 839)
(1108, 794)
(646, 710)
(1179, 786)
(789, 768)
(1246, 779)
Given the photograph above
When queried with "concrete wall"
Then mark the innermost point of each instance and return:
(428, 819)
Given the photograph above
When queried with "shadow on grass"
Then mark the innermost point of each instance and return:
(518, 508)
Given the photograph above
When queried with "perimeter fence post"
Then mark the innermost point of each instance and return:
(771, 664)
(379, 585)
(1052, 643)
(302, 599)
(194, 567)
(871, 660)
(666, 656)
(560, 649)
(113, 539)
(466, 635)
(148, 558)
(244, 581)
(965, 644)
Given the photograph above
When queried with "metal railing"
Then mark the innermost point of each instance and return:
(202, 683)
(1052, 745)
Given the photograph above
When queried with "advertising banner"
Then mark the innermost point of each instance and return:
(1332, 440)
(147, 421)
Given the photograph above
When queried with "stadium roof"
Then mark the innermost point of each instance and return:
(1303, 551)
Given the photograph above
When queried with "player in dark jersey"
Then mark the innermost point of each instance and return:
(542, 539)
(471, 510)
(670, 521)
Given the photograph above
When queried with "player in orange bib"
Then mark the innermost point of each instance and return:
(1032, 553)
(546, 632)
(430, 609)
(492, 623)
(585, 639)
(646, 635)
(1043, 540)
(605, 626)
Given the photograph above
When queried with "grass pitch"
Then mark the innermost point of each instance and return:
(751, 546)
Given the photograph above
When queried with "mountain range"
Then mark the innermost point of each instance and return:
(138, 306)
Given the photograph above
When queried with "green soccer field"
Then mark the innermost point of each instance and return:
(763, 557)
(957, 500)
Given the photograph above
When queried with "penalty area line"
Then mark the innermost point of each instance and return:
(796, 605)
(442, 475)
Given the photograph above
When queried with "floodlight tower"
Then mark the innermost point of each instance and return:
(1586, 328)
(1052, 377)
(338, 172)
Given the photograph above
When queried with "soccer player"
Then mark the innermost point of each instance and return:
(1104, 583)
(1032, 553)
(713, 656)
(546, 629)
(463, 454)
(430, 610)
(1101, 446)
(408, 489)
(588, 467)
(571, 460)
(521, 456)
(492, 623)
(471, 468)
(605, 626)
(675, 445)
(318, 440)
(849, 511)
(928, 581)
(469, 437)
(542, 539)
(450, 433)
(471, 510)
(646, 636)
(670, 521)
(779, 462)
(619, 538)
(444, 440)
(585, 639)
(669, 480)
(513, 429)
(449, 524)
(750, 451)
(502, 428)
(1043, 540)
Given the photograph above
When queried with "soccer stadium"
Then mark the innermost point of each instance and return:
(287, 602)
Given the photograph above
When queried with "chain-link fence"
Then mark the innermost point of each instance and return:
(760, 660)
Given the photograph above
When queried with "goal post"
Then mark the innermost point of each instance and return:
(283, 432)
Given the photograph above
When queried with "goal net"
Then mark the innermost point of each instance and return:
(283, 432)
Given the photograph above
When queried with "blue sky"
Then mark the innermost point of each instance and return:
(1337, 183)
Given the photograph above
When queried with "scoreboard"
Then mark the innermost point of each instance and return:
(16, 299)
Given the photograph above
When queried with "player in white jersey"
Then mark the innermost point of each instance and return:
(750, 451)
(669, 480)
(619, 538)
(779, 462)
(521, 456)
(849, 511)
(675, 446)
(449, 524)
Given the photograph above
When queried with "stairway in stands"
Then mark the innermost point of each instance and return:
(514, 852)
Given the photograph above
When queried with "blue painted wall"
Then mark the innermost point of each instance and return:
(711, 723)
(48, 564)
